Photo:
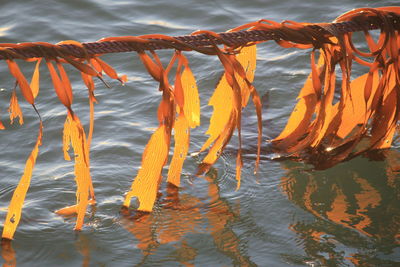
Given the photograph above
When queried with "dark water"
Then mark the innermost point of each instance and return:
(289, 215)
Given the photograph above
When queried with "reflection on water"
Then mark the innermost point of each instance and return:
(355, 208)
(83, 246)
(180, 215)
(8, 254)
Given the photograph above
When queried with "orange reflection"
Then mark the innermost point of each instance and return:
(220, 215)
(178, 215)
(8, 253)
(360, 198)
(83, 246)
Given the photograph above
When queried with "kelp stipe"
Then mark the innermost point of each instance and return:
(318, 130)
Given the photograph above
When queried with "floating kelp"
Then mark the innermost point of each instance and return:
(318, 131)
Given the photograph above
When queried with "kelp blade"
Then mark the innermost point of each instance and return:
(75, 135)
(222, 98)
(145, 185)
(15, 110)
(181, 135)
(15, 208)
(191, 96)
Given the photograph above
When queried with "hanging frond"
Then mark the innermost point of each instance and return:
(15, 208)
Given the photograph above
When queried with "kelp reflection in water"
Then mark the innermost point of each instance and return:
(8, 254)
(178, 217)
(357, 212)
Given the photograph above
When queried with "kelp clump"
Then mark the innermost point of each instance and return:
(328, 124)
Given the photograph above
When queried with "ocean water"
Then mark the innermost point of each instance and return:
(287, 215)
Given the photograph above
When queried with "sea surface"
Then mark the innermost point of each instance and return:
(288, 215)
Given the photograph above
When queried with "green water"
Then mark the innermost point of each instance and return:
(289, 215)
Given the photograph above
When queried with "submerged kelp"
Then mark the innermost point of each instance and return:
(321, 130)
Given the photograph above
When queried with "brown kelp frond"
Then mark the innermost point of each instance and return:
(328, 124)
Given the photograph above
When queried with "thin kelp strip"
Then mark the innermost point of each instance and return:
(319, 130)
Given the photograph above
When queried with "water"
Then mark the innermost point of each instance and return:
(289, 215)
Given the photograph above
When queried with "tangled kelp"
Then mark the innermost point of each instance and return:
(318, 130)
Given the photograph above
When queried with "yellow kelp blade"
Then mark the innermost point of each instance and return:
(88, 80)
(222, 98)
(181, 136)
(72, 210)
(15, 207)
(301, 116)
(15, 110)
(75, 135)
(247, 58)
(35, 79)
(222, 101)
(219, 144)
(146, 183)
(191, 95)
(355, 109)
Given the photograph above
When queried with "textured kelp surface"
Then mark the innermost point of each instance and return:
(337, 116)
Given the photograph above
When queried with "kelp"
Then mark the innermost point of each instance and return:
(365, 117)
(329, 123)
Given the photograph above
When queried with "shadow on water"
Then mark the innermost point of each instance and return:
(356, 211)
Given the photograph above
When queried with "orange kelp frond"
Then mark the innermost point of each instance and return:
(368, 108)
(74, 134)
(14, 109)
(229, 98)
(337, 116)
(146, 183)
(21, 80)
(15, 208)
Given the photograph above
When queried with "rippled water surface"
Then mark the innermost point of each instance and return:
(289, 215)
